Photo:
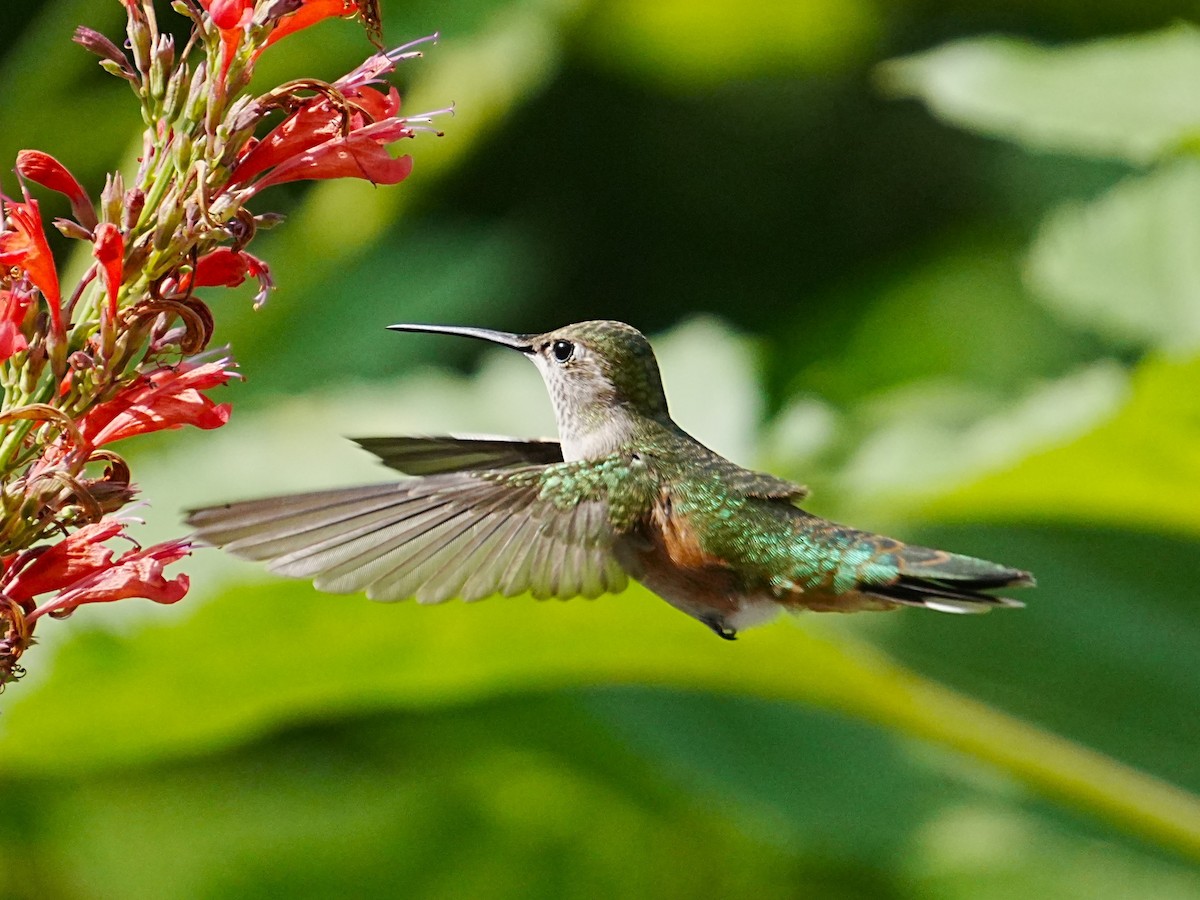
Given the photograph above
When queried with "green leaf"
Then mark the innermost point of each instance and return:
(1126, 265)
(682, 43)
(1127, 98)
(931, 437)
(494, 801)
(1139, 469)
(1103, 653)
(305, 654)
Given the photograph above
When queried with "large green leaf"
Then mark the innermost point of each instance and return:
(1139, 469)
(688, 44)
(1126, 98)
(1127, 264)
(623, 792)
(490, 802)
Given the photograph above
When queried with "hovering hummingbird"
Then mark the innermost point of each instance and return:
(624, 492)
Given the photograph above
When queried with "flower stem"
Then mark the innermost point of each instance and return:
(869, 684)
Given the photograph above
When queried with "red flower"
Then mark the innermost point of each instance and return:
(13, 306)
(109, 250)
(168, 398)
(86, 572)
(225, 267)
(79, 554)
(25, 247)
(222, 267)
(229, 14)
(310, 13)
(320, 141)
(231, 17)
(42, 168)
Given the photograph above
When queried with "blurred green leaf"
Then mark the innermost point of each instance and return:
(690, 45)
(1140, 469)
(925, 439)
(56, 97)
(619, 792)
(1127, 98)
(1103, 653)
(499, 801)
(1127, 264)
(951, 314)
(842, 790)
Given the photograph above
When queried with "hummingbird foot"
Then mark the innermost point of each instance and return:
(718, 626)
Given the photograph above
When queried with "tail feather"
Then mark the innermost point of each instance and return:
(949, 582)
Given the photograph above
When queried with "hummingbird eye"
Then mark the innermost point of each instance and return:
(562, 351)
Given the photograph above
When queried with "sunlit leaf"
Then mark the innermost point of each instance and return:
(684, 43)
(930, 437)
(1139, 469)
(1128, 264)
(1126, 98)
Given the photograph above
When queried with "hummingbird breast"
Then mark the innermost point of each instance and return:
(667, 555)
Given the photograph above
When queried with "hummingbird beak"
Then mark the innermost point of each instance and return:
(522, 342)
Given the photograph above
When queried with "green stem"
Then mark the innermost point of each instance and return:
(880, 690)
(463, 653)
(1161, 812)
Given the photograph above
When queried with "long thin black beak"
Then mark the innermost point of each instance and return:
(522, 342)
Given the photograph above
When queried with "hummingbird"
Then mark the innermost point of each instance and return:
(623, 493)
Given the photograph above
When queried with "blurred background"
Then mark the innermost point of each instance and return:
(938, 259)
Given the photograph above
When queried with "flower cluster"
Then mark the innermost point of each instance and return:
(123, 352)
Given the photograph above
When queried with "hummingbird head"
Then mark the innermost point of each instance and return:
(602, 376)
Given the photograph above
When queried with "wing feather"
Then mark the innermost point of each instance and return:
(429, 455)
(467, 534)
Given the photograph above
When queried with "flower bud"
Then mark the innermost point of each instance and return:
(139, 38)
(164, 60)
(135, 201)
(176, 92)
(111, 197)
(69, 228)
(108, 52)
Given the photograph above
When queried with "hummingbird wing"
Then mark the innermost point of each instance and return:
(428, 455)
(468, 535)
(744, 482)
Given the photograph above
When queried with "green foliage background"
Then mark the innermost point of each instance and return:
(937, 259)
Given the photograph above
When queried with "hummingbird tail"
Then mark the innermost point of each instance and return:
(948, 582)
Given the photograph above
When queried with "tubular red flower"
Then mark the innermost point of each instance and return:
(13, 306)
(108, 248)
(362, 154)
(312, 124)
(321, 141)
(42, 168)
(25, 247)
(137, 573)
(225, 267)
(310, 13)
(167, 398)
(79, 554)
(222, 267)
(229, 14)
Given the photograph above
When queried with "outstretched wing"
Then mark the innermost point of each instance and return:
(429, 455)
(468, 535)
